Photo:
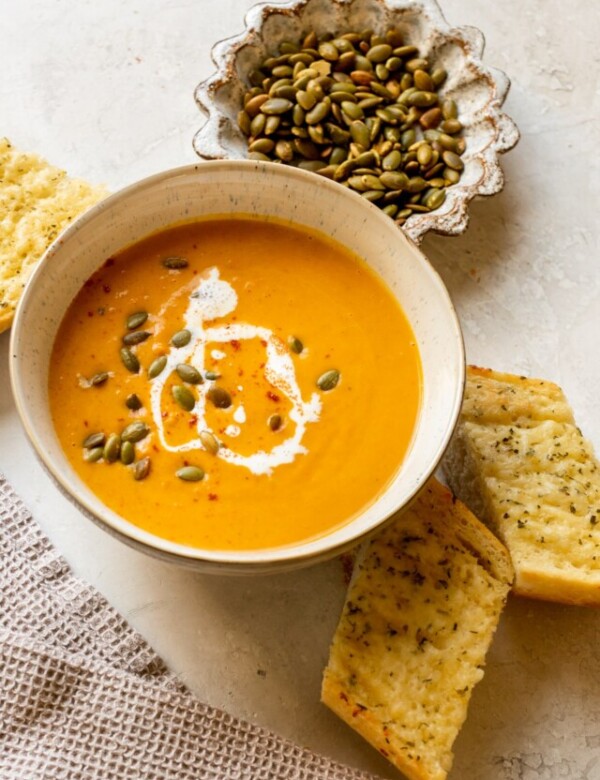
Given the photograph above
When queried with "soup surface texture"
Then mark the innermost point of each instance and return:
(264, 444)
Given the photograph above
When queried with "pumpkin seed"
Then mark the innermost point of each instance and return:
(422, 98)
(271, 124)
(424, 154)
(219, 397)
(322, 104)
(258, 124)
(405, 51)
(451, 126)
(274, 422)
(379, 53)
(451, 175)
(129, 360)
(136, 337)
(318, 113)
(135, 431)
(112, 448)
(141, 469)
(157, 367)
(184, 397)
(438, 76)
(284, 150)
(136, 319)
(244, 122)
(430, 118)
(254, 104)
(394, 180)
(434, 198)
(453, 161)
(212, 375)
(295, 345)
(94, 440)
(449, 109)
(93, 454)
(276, 106)
(133, 401)
(423, 81)
(127, 453)
(391, 161)
(329, 51)
(175, 263)
(190, 474)
(328, 380)
(182, 338)
(209, 442)
(189, 374)
(415, 64)
(360, 133)
(99, 379)
(264, 145)
(416, 184)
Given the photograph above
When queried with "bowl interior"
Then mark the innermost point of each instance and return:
(252, 188)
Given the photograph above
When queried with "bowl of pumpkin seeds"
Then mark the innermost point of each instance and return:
(382, 97)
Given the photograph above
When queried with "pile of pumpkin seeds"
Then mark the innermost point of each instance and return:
(362, 109)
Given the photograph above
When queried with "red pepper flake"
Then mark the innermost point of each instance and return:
(241, 372)
(273, 397)
(90, 313)
(106, 288)
(213, 497)
(155, 448)
(192, 421)
(262, 365)
(235, 344)
(85, 423)
(110, 262)
(164, 415)
(263, 342)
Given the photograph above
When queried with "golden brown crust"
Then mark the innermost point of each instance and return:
(421, 610)
(518, 459)
(37, 201)
(364, 722)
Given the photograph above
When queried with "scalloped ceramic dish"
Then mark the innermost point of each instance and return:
(478, 90)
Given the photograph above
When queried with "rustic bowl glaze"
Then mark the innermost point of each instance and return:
(478, 90)
(234, 187)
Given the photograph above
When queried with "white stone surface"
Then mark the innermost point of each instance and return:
(105, 90)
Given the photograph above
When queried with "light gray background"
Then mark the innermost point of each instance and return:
(105, 90)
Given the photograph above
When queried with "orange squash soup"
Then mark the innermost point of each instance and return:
(235, 383)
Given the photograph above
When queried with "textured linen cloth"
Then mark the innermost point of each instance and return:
(83, 697)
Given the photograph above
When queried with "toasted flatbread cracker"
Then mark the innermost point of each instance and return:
(420, 613)
(519, 461)
(37, 201)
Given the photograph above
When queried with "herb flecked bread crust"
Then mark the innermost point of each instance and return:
(37, 202)
(421, 610)
(518, 460)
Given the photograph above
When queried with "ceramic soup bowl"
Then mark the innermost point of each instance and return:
(230, 188)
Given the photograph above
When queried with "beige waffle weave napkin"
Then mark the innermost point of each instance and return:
(83, 697)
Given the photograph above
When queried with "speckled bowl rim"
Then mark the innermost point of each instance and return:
(264, 560)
